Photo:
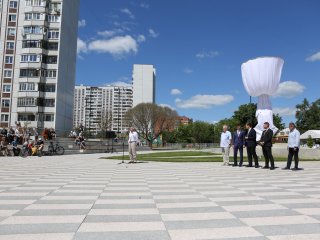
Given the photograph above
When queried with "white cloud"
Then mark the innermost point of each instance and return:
(314, 57)
(144, 5)
(167, 105)
(286, 111)
(118, 46)
(175, 91)
(289, 89)
(81, 46)
(141, 38)
(153, 33)
(119, 84)
(210, 54)
(110, 33)
(82, 23)
(128, 12)
(188, 71)
(204, 101)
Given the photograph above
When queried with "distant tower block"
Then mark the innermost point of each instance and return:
(144, 84)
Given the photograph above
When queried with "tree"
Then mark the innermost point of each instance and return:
(151, 120)
(246, 113)
(202, 132)
(310, 142)
(308, 115)
(105, 123)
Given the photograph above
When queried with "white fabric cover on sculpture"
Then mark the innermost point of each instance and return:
(261, 78)
(262, 75)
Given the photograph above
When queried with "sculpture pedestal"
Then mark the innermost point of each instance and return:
(264, 115)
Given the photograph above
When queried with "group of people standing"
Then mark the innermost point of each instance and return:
(248, 139)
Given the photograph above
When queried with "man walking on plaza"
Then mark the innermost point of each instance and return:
(266, 144)
(238, 144)
(251, 144)
(132, 142)
(225, 143)
(293, 147)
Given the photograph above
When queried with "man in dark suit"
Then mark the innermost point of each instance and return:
(238, 144)
(251, 144)
(266, 143)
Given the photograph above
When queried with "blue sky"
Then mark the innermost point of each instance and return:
(198, 46)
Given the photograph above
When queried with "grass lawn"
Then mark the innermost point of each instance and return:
(186, 156)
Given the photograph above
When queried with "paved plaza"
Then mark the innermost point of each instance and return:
(85, 198)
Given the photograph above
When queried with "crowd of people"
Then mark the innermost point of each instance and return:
(248, 139)
(24, 140)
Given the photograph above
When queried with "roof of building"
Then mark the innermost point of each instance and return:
(315, 134)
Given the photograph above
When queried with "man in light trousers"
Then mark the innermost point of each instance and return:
(225, 143)
(132, 142)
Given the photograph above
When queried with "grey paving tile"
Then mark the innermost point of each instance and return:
(182, 200)
(265, 213)
(123, 206)
(124, 218)
(288, 229)
(221, 223)
(191, 210)
(37, 228)
(252, 202)
(49, 212)
(152, 235)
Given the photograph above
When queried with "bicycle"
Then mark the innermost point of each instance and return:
(55, 149)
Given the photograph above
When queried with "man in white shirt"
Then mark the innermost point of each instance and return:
(293, 147)
(132, 142)
(225, 143)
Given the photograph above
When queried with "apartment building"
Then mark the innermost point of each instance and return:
(38, 42)
(95, 106)
(144, 84)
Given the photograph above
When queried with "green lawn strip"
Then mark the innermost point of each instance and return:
(179, 153)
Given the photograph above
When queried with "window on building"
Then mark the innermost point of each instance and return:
(50, 73)
(50, 88)
(12, 17)
(26, 86)
(48, 117)
(13, 4)
(5, 103)
(50, 59)
(7, 73)
(31, 44)
(4, 117)
(53, 34)
(23, 117)
(11, 31)
(53, 18)
(36, 3)
(49, 102)
(9, 60)
(10, 46)
(32, 16)
(33, 30)
(27, 102)
(29, 72)
(30, 58)
(54, 6)
(52, 46)
(6, 88)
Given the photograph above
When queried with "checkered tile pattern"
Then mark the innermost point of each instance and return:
(86, 198)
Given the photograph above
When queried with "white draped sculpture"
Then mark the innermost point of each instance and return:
(261, 78)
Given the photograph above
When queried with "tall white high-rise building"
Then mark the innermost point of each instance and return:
(38, 45)
(144, 84)
(95, 105)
